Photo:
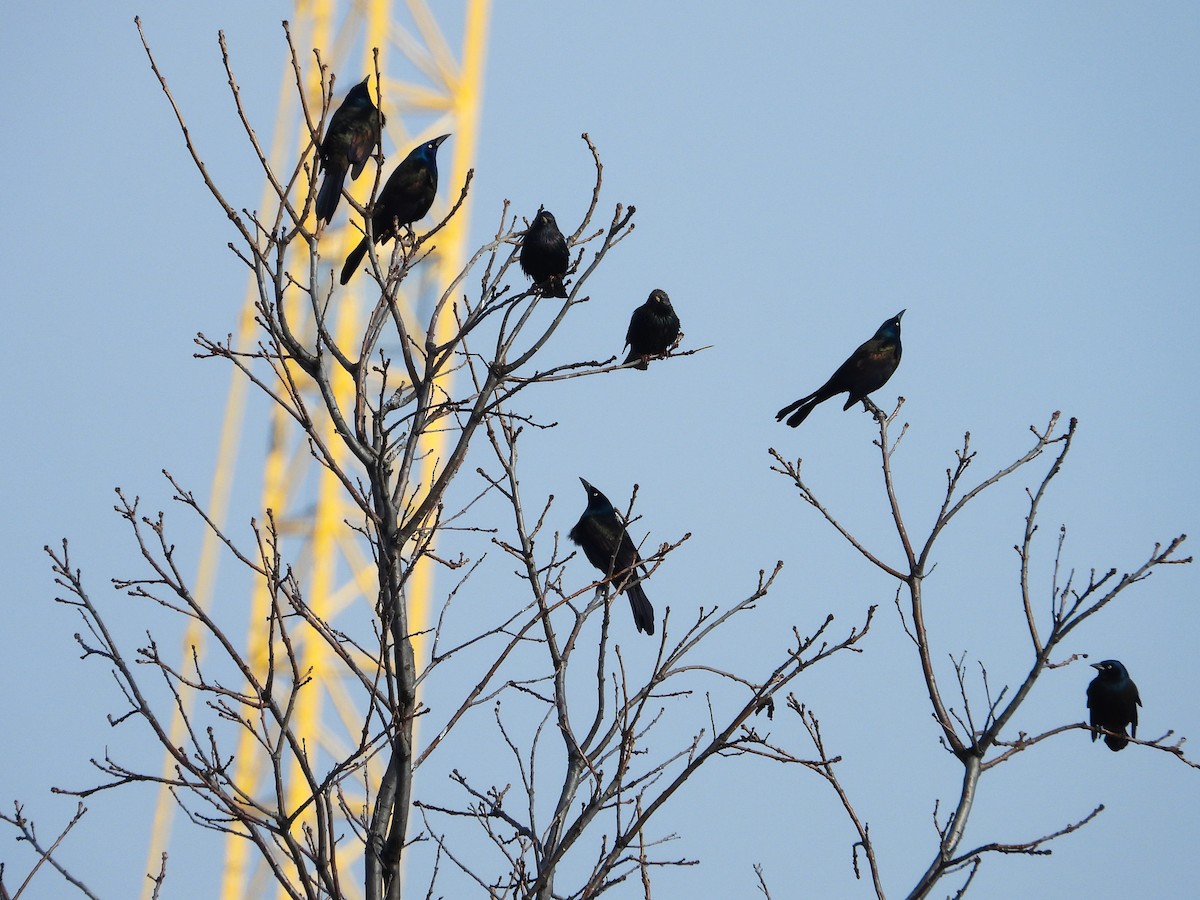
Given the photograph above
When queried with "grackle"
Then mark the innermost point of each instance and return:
(349, 141)
(653, 329)
(868, 369)
(1113, 700)
(404, 198)
(544, 254)
(606, 544)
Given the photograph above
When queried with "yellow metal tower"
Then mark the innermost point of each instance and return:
(427, 89)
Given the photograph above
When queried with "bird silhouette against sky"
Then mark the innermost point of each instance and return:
(653, 329)
(544, 254)
(606, 544)
(868, 369)
(350, 139)
(1113, 699)
(406, 197)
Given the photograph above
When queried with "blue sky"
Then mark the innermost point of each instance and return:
(1021, 177)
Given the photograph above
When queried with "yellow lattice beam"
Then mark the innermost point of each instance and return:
(308, 503)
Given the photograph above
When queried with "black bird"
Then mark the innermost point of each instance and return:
(1113, 700)
(544, 254)
(868, 369)
(606, 544)
(653, 329)
(405, 197)
(350, 139)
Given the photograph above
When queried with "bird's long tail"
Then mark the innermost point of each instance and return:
(634, 356)
(643, 612)
(802, 408)
(330, 192)
(805, 405)
(354, 260)
(553, 287)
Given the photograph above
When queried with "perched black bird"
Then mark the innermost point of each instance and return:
(406, 197)
(350, 139)
(606, 544)
(653, 329)
(544, 254)
(1113, 700)
(868, 369)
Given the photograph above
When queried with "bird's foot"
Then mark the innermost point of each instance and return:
(878, 414)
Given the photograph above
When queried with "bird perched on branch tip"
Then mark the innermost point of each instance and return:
(653, 329)
(350, 139)
(868, 369)
(1113, 699)
(606, 544)
(544, 254)
(405, 197)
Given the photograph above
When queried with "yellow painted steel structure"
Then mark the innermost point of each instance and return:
(427, 90)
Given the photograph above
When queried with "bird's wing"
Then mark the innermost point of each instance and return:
(635, 322)
(362, 145)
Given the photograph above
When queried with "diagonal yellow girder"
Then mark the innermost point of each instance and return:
(422, 78)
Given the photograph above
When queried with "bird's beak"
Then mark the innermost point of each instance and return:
(437, 141)
(363, 83)
(899, 314)
(1095, 666)
(586, 486)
